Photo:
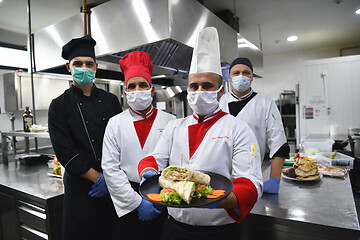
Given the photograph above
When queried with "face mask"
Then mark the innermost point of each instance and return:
(240, 83)
(83, 76)
(203, 102)
(139, 100)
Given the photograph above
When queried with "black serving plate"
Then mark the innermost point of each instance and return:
(217, 182)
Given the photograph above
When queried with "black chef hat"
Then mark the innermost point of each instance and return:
(83, 46)
(244, 61)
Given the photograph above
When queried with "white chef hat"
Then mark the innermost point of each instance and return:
(206, 53)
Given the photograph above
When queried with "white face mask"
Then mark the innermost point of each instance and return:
(203, 102)
(139, 100)
(240, 83)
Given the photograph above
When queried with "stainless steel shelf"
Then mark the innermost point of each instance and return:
(23, 134)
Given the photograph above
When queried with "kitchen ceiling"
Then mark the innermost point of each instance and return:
(266, 23)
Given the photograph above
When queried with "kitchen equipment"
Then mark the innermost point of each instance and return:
(356, 145)
(340, 144)
(33, 159)
(313, 146)
(339, 159)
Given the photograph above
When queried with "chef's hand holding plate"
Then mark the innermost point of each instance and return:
(147, 175)
(147, 211)
(272, 186)
(99, 187)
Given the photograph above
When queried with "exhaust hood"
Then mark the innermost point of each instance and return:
(166, 29)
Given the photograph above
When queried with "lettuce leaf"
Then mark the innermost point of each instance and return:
(206, 190)
(170, 197)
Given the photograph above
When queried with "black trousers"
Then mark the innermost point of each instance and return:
(130, 227)
(175, 230)
(85, 217)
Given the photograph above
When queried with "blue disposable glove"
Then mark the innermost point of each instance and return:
(99, 187)
(147, 211)
(272, 186)
(147, 175)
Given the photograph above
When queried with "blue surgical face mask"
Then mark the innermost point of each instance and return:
(240, 83)
(83, 76)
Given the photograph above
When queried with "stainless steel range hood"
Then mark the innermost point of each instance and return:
(166, 29)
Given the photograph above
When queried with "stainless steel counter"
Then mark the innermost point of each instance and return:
(31, 180)
(328, 201)
(323, 209)
(30, 202)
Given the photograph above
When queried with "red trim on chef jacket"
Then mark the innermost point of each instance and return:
(143, 127)
(246, 194)
(198, 131)
(147, 162)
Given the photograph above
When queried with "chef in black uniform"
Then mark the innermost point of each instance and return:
(77, 121)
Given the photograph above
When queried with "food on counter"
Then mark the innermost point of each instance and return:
(290, 172)
(306, 170)
(38, 128)
(57, 167)
(332, 155)
(303, 169)
(332, 171)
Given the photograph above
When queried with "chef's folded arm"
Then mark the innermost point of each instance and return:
(75, 162)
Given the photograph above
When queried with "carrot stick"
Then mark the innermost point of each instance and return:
(218, 191)
(154, 197)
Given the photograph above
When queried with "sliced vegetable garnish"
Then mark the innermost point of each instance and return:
(222, 192)
(216, 194)
(154, 197)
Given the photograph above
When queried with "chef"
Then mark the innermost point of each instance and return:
(77, 121)
(210, 140)
(129, 137)
(262, 115)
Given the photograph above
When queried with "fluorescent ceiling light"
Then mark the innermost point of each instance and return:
(14, 58)
(292, 38)
(358, 11)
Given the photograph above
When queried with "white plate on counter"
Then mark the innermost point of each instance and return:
(301, 180)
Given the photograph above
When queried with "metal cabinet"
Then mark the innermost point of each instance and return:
(31, 203)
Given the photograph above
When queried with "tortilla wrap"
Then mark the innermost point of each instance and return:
(177, 173)
(185, 189)
(200, 178)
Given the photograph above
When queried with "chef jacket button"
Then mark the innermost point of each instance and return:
(99, 100)
(99, 159)
(92, 140)
(87, 122)
(80, 104)
(103, 119)
(206, 128)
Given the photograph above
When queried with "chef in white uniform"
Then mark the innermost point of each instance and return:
(262, 115)
(129, 137)
(209, 140)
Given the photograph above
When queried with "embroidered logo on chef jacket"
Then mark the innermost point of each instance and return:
(220, 137)
(161, 129)
(253, 149)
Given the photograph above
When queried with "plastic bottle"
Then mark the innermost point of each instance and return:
(27, 119)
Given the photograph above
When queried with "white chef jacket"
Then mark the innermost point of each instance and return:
(263, 117)
(122, 152)
(221, 144)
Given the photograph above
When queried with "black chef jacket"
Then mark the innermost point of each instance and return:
(77, 125)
